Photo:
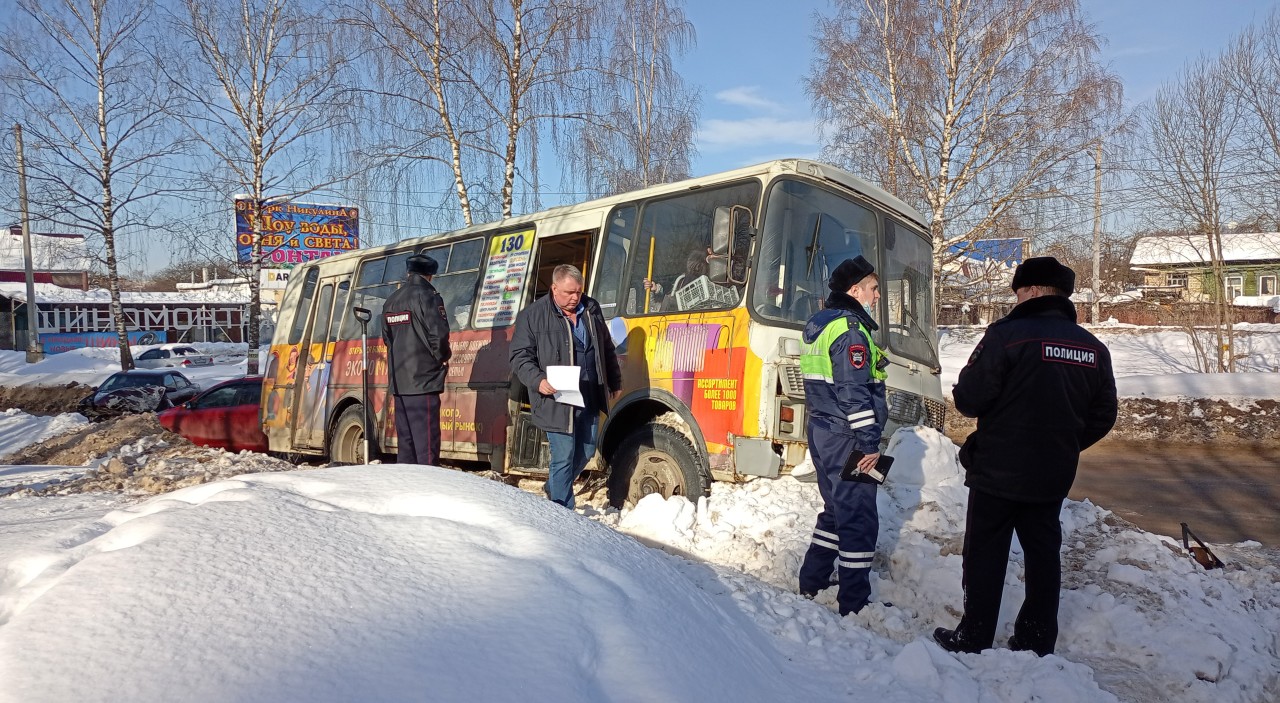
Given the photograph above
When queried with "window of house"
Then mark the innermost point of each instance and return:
(1176, 279)
(1235, 287)
(1266, 285)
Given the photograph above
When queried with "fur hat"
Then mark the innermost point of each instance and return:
(423, 265)
(1044, 271)
(849, 272)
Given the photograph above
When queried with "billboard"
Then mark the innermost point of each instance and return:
(59, 342)
(295, 233)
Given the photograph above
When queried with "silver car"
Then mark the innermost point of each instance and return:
(172, 355)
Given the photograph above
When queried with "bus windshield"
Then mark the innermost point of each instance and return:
(808, 230)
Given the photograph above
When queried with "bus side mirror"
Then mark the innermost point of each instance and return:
(731, 233)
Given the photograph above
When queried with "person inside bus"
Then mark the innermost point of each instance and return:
(415, 328)
(695, 266)
(566, 328)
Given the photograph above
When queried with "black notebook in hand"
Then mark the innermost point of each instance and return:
(850, 472)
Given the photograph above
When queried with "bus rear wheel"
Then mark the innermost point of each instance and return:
(656, 458)
(347, 445)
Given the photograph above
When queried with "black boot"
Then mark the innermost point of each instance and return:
(950, 641)
(1018, 646)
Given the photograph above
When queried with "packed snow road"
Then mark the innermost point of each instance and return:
(1226, 493)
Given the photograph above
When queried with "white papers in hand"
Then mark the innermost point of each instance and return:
(566, 380)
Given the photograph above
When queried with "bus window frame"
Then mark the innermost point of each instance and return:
(446, 270)
(310, 278)
(877, 210)
(632, 256)
(614, 308)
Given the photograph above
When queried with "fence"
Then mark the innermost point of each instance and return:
(1137, 312)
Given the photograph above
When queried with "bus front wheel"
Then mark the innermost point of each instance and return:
(656, 458)
(348, 437)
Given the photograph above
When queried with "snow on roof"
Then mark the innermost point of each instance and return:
(49, 293)
(1194, 248)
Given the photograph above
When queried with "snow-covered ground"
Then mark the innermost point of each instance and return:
(92, 365)
(389, 583)
(1157, 362)
(411, 583)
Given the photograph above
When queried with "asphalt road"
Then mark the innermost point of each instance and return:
(1225, 494)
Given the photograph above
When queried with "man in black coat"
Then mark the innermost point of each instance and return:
(415, 327)
(1042, 389)
(566, 328)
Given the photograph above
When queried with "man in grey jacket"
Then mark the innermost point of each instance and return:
(566, 328)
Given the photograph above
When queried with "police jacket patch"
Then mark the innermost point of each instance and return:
(857, 356)
(397, 318)
(1068, 354)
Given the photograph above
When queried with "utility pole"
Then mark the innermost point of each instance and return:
(34, 351)
(1097, 231)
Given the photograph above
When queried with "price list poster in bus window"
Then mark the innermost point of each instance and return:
(504, 278)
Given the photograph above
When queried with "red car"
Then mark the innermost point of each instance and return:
(225, 416)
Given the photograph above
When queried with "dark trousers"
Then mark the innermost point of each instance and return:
(418, 429)
(989, 526)
(844, 537)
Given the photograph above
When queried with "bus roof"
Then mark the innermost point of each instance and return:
(806, 167)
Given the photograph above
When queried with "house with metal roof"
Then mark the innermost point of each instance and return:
(1180, 267)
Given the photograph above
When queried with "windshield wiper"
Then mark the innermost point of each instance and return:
(937, 358)
(813, 247)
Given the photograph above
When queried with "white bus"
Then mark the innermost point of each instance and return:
(712, 382)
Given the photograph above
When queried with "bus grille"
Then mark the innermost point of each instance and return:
(904, 408)
(936, 413)
(792, 380)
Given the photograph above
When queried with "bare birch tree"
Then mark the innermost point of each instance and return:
(421, 95)
(467, 83)
(1252, 69)
(75, 75)
(643, 117)
(530, 62)
(262, 82)
(1189, 153)
(965, 108)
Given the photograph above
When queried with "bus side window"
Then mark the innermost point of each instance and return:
(608, 283)
(370, 293)
(340, 313)
(457, 278)
(304, 306)
(676, 233)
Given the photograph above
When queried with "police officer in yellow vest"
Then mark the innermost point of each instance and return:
(844, 374)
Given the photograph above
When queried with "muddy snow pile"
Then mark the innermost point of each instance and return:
(1186, 420)
(133, 455)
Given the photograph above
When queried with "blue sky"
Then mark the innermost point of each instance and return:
(752, 57)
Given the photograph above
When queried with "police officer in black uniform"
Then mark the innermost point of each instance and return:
(1042, 389)
(415, 327)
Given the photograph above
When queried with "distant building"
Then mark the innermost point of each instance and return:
(78, 318)
(60, 259)
(1179, 267)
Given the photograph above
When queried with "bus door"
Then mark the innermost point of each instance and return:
(312, 393)
(526, 443)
